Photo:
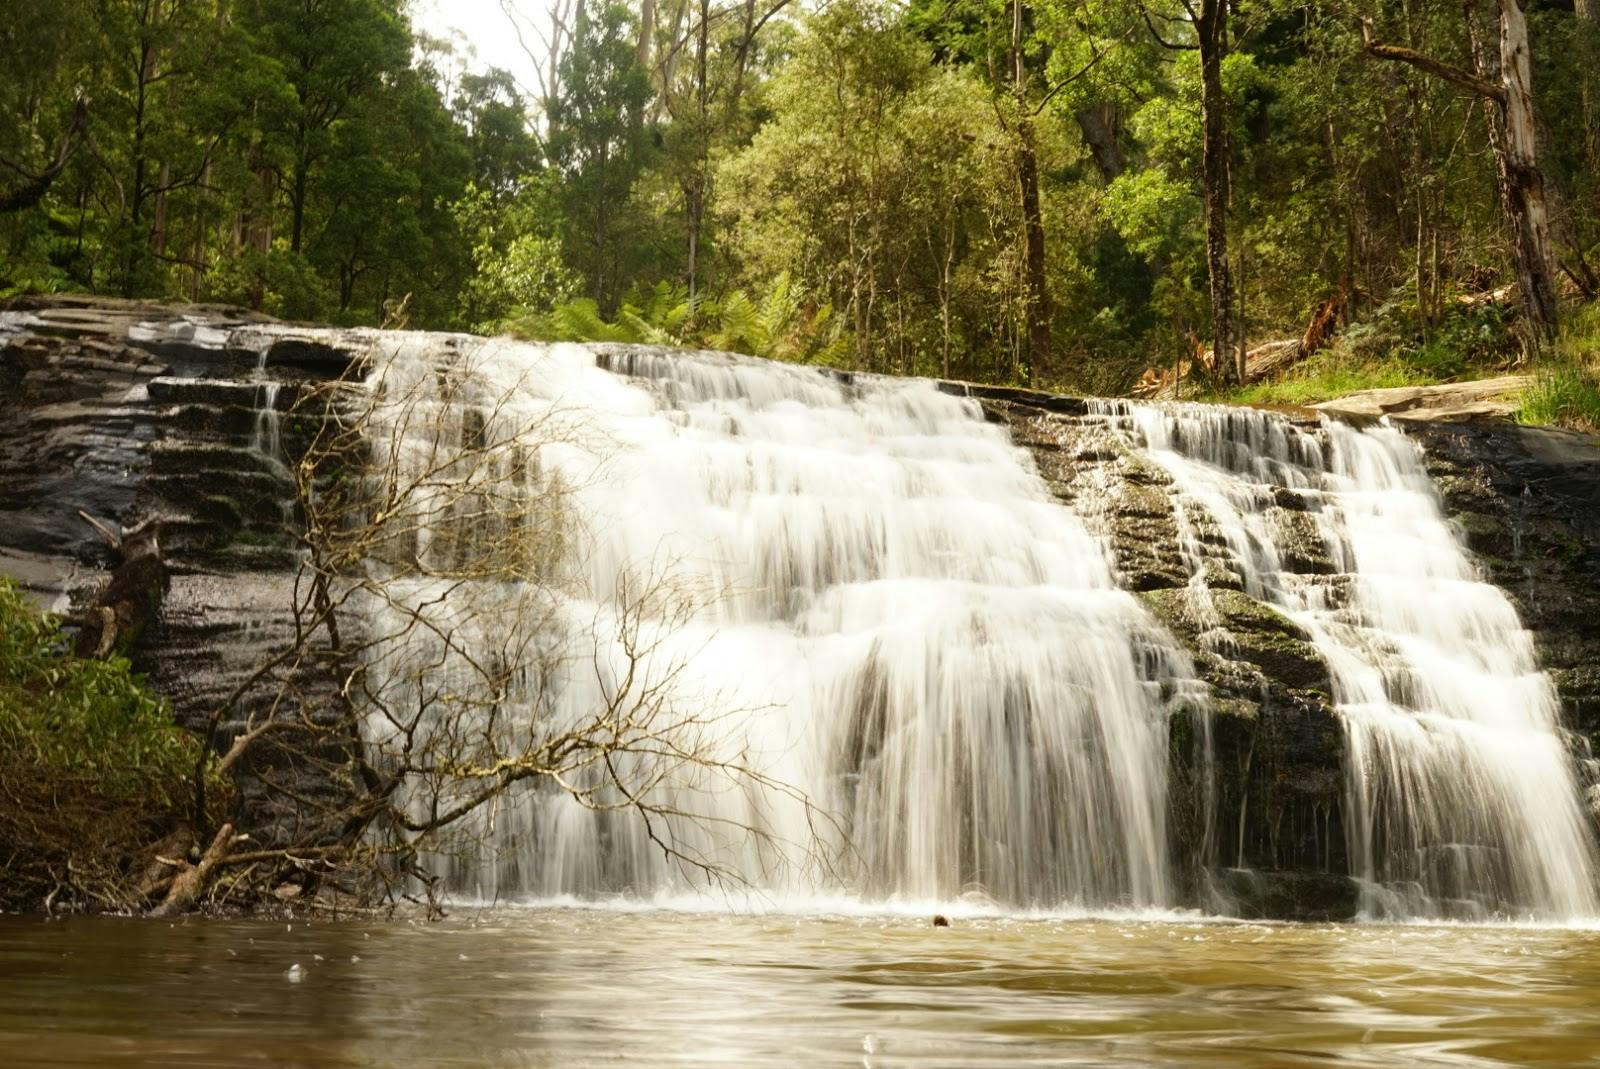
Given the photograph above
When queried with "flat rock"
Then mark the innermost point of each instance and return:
(1453, 402)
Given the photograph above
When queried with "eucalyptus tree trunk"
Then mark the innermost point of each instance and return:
(647, 30)
(1521, 180)
(695, 190)
(1211, 29)
(1098, 123)
(1036, 283)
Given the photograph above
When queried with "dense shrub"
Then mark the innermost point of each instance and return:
(93, 772)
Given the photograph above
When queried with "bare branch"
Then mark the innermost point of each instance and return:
(1456, 76)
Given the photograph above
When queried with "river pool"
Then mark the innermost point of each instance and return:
(580, 987)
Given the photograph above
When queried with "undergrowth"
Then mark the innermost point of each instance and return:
(93, 771)
(1566, 387)
(1388, 349)
(1326, 375)
(778, 324)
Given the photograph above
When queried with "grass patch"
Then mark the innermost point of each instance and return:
(1388, 349)
(1313, 382)
(1563, 397)
(1566, 387)
(93, 771)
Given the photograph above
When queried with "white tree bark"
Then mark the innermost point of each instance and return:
(1524, 180)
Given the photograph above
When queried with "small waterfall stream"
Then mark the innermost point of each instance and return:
(859, 589)
(1460, 799)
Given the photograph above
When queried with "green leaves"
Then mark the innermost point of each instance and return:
(778, 325)
(84, 718)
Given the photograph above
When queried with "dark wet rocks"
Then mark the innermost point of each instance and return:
(1274, 786)
(129, 410)
(1246, 630)
(1306, 896)
(134, 412)
(1527, 501)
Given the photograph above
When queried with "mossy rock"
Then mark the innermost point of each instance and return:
(1236, 709)
(1259, 635)
(1137, 471)
(1484, 533)
(1301, 546)
(1221, 577)
(1143, 501)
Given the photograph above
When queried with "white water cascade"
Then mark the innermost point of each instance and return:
(858, 594)
(1460, 800)
(833, 636)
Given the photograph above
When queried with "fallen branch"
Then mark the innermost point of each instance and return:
(192, 879)
(132, 598)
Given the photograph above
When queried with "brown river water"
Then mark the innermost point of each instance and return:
(581, 987)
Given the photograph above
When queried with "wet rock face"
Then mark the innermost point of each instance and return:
(132, 412)
(129, 411)
(1277, 749)
(1527, 500)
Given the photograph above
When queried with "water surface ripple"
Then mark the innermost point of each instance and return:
(560, 987)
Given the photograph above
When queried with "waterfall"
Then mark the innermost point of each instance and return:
(266, 436)
(859, 593)
(1460, 798)
(828, 635)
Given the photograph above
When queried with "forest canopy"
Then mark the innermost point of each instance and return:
(1063, 193)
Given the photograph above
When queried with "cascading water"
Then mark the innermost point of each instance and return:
(266, 436)
(845, 641)
(1460, 798)
(859, 591)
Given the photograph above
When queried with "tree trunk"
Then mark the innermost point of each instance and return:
(297, 202)
(1589, 37)
(35, 186)
(1211, 27)
(1037, 285)
(1521, 180)
(695, 195)
(647, 30)
(1512, 137)
(191, 880)
(1038, 290)
(1099, 124)
(132, 599)
(158, 223)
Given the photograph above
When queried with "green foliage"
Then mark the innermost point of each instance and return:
(833, 182)
(778, 325)
(1566, 389)
(884, 197)
(517, 264)
(1563, 397)
(1389, 349)
(599, 144)
(93, 718)
(1324, 377)
(92, 769)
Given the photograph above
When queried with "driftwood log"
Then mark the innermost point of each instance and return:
(122, 611)
(191, 879)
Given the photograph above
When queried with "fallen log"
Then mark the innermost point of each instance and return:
(191, 880)
(131, 600)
